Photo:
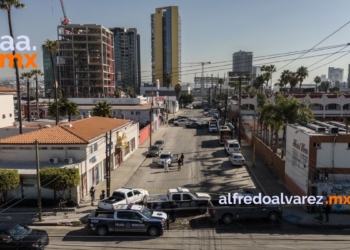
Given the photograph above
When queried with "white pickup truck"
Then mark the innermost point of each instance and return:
(122, 196)
(166, 156)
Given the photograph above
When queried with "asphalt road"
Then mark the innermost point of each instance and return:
(77, 238)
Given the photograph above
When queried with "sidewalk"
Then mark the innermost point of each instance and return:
(119, 178)
(270, 185)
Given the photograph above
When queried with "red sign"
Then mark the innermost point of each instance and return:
(160, 99)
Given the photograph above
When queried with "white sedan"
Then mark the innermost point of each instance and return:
(213, 128)
(236, 159)
(181, 122)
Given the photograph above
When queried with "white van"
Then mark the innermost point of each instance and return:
(232, 146)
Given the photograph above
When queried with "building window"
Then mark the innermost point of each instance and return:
(3, 116)
(137, 113)
(10, 115)
(42, 148)
(95, 146)
(317, 145)
(9, 148)
(132, 112)
(91, 149)
(26, 148)
(57, 148)
(348, 145)
(73, 148)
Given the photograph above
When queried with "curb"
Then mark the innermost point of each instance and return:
(256, 179)
(322, 226)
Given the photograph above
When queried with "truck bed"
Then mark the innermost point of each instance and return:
(156, 198)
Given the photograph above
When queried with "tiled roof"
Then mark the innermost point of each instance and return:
(80, 133)
(53, 135)
(92, 127)
(3, 89)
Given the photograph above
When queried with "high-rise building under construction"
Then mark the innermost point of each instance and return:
(86, 61)
(166, 44)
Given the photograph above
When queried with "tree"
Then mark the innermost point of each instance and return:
(52, 47)
(36, 73)
(59, 179)
(285, 77)
(27, 76)
(324, 86)
(269, 70)
(68, 108)
(302, 73)
(317, 80)
(178, 89)
(293, 81)
(102, 109)
(130, 91)
(9, 179)
(118, 92)
(7, 6)
(186, 98)
(259, 82)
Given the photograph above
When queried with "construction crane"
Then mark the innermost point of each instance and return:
(65, 21)
(202, 77)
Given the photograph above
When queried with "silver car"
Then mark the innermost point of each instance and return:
(154, 150)
(160, 144)
(236, 159)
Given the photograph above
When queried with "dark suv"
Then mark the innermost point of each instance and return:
(17, 236)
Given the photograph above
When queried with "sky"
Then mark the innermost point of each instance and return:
(211, 30)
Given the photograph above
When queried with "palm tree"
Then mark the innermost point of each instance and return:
(317, 80)
(302, 73)
(285, 77)
(52, 47)
(167, 79)
(178, 89)
(7, 5)
(27, 76)
(269, 70)
(36, 73)
(325, 86)
(69, 108)
(259, 82)
(102, 109)
(118, 92)
(293, 81)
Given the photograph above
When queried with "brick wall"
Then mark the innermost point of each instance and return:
(143, 134)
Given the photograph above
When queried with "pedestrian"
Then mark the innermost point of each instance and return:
(173, 211)
(166, 166)
(102, 195)
(182, 159)
(92, 195)
(179, 164)
(327, 210)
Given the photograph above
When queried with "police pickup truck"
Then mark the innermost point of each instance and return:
(182, 196)
(128, 218)
(166, 156)
(124, 195)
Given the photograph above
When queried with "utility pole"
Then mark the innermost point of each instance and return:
(150, 124)
(109, 163)
(239, 110)
(107, 160)
(38, 180)
(56, 100)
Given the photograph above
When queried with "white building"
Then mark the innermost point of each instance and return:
(79, 144)
(7, 110)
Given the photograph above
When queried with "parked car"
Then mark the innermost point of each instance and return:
(166, 156)
(122, 196)
(154, 150)
(18, 236)
(213, 128)
(236, 159)
(232, 146)
(181, 122)
(128, 218)
(160, 144)
(189, 107)
(194, 125)
(228, 213)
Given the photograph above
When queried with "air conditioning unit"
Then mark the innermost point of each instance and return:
(69, 125)
(68, 160)
(333, 131)
(53, 160)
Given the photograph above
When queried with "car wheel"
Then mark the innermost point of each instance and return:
(176, 124)
(102, 231)
(203, 209)
(273, 216)
(227, 219)
(153, 231)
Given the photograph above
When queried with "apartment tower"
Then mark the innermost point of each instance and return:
(127, 58)
(335, 74)
(166, 44)
(242, 62)
(86, 64)
(49, 81)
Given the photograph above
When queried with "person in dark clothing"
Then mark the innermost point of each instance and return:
(182, 159)
(179, 164)
(92, 195)
(61, 201)
(327, 210)
(173, 211)
(102, 195)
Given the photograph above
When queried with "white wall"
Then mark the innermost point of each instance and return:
(297, 157)
(7, 116)
(11, 131)
(341, 155)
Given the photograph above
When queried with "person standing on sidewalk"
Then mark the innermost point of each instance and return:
(327, 210)
(182, 159)
(173, 211)
(92, 195)
(179, 164)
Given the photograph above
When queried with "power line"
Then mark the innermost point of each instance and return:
(315, 45)
(330, 62)
(328, 56)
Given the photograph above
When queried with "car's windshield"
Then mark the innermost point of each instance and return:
(153, 148)
(118, 195)
(158, 142)
(19, 231)
(164, 156)
(146, 213)
(213, 126)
